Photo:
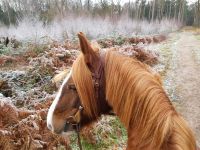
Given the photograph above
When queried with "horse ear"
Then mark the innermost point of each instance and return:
(89, 53)
(85, 45)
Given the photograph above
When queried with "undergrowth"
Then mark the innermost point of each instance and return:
(4, 50)
(107, 134)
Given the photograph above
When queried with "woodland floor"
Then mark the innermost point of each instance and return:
(29, 89)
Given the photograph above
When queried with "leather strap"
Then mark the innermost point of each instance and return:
(99, 84)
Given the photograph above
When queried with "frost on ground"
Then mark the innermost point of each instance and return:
(27, 89)
(35, 31)
(196, 51)
(181, 76)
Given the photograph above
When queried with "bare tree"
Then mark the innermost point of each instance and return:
(153, 10)
(198, 10)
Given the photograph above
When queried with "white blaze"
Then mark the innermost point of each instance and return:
(53, 105)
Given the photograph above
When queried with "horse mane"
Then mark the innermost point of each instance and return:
(130, 83)
(83, 81)
(137, 97)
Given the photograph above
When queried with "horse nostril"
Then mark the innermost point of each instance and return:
(49, 126)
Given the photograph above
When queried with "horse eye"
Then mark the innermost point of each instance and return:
(72, 86)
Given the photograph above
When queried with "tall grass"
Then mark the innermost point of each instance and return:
(94, 28)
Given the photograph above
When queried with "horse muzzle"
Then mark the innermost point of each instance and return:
(69, 127)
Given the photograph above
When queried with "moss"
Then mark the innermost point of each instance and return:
(110, 133)
(120, 40)
(5, 50)
(49, 88)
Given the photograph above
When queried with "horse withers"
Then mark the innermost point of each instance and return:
(100, 82)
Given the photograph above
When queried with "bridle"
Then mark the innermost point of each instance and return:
(75, 122)
(99, 86)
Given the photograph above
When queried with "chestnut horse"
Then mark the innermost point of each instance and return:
(100, 82)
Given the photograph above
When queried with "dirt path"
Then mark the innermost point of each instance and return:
(186, 74)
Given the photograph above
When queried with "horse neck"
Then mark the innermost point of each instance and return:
(131, 86)
(136, 98)
(139, 100)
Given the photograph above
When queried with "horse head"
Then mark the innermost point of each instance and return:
(75, 102)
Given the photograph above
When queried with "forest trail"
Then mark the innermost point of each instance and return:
(187, 78)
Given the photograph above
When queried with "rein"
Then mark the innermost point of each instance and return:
(78, 135)
(75, 121)
(99, 86)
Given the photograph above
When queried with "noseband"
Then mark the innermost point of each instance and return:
(99, 86)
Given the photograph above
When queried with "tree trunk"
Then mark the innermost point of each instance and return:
(198, 13)
(170, 10)
(153, 10)
(8, 11)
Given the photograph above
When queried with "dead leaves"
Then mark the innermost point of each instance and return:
(139, 53)
(148, 57)
(25, 129)
(107, 43)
